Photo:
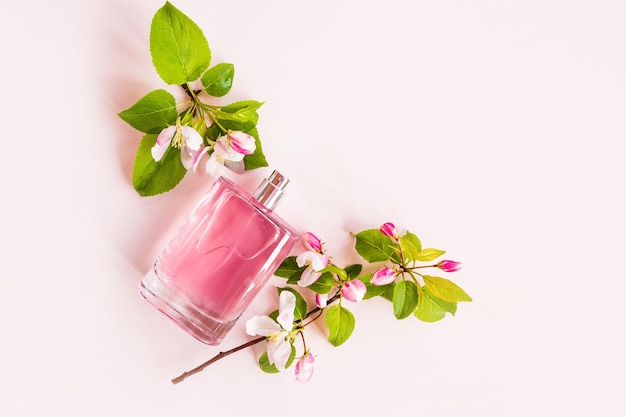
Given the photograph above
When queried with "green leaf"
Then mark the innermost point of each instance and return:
(240, 115)
(353, 271)
(250, 105)
(415, 241)
(266, 366)
(180, 52)
(287, 268)
(429, 254)
(301, 308)
(324, 284)
(218, 80)
(411, 246)
(373, 246)
(257, 158)
(213, 132)
(404, 299)
(445, 289)
(388, 294)
(431, 309)
(340, 322)
(333, 269)
(295, 277)
(373, 290)
(152, 178)
(152, 113)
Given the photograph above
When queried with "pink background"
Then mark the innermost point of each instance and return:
(494, 130)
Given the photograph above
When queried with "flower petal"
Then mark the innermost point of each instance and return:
(319, 262)
(225, 151)
(214, 167)
(236, 166)
(304, 368)
(166, 135)
(389, 229)
(162, 143)
(242, 142)
(305, 258)
(383, 276)
(308, 277)
(286, 307)
(449, 266)
(278, 352)
(321, 300)
(187, 157)
(262, 326)
(191, 144)
(198, 156)
(192, 138)
(354, 290)
(311, 242)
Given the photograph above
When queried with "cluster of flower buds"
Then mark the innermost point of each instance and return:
(228, 150)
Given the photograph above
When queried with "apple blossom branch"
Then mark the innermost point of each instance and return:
(248, 344)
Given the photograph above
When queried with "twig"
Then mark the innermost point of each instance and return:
(252, 342)
(216, 358)
(187, 90)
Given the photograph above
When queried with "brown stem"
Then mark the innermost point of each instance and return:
(216, 358)
(252, 342)
(187, 90)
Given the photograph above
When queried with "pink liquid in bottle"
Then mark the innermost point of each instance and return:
(220, 258)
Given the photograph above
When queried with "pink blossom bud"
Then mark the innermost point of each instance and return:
(321, 300)
(304, 367)
(311, 242)
(354, 290)
(242, 142)
(449, 266)
(383, 276)
(389, 229)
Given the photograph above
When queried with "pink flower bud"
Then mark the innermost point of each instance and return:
(354, 290)
(383, 276)
(389, 229)
(449, 266)
(311, 242)
(242, 142)
(321, 300)
(304, 367)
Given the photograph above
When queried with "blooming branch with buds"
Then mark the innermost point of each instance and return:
(179, 134)
(400, 280)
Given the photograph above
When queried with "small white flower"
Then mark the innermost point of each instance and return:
(186, 138)
(229, 151)
(316, 262)
(278, 333)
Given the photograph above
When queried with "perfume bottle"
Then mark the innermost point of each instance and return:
(220, 258)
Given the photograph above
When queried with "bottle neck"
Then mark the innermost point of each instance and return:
(271, 190)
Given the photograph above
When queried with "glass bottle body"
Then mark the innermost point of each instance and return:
(218, 261)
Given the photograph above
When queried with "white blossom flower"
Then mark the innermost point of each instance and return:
(186, 138)
(278, 333)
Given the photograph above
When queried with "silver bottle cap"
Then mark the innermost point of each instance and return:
(271, 190)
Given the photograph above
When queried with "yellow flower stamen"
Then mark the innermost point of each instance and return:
(177, 140)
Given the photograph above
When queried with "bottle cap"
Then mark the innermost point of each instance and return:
(271, 190)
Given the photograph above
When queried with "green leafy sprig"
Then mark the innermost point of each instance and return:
(428, 300)
(401, 259)
(182, 57)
